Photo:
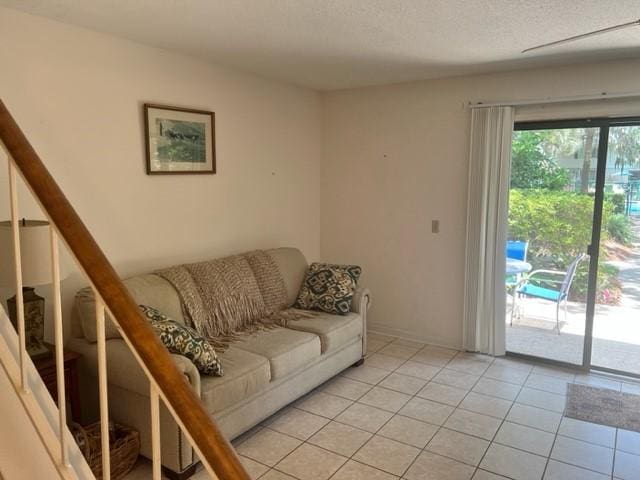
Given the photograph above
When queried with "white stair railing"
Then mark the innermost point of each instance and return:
(166, 383)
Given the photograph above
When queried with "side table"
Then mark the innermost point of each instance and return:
(47, 369)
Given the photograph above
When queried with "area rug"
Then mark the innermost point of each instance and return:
(603, 406)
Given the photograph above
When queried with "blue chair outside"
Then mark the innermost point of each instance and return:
(553, 295)
(516, 249)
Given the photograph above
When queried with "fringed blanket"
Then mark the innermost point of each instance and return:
(232, 296)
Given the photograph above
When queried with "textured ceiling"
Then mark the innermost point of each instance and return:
(331, 44)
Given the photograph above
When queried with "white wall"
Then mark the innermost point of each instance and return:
(396, 157)
(78, 96)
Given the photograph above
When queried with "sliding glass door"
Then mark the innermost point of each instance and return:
(616, 325)
(573, 250)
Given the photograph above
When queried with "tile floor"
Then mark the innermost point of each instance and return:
(420, 412)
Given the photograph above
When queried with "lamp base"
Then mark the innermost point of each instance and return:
(33, 322)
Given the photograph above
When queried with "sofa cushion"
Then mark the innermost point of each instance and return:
(287, 350)
(292, 266)
(245, 373)
(335, 331)
(150, 289)
(328, 288)
(183, 340)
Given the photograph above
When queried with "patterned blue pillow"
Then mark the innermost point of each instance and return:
(329, 288)
(185, 341)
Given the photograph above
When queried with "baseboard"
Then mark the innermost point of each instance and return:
(409, 335)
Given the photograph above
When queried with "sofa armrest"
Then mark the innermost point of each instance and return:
(123, 370)
(360, 304)
(361, 300)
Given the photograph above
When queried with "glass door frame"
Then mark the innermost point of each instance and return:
(593, 249)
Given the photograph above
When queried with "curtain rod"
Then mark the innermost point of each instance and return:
(547, 100)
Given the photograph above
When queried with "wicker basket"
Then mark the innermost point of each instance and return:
(124, 447)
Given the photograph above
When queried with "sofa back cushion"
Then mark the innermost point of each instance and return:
(145, 289)
(293, 268)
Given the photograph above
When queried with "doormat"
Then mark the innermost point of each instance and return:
(603, 406)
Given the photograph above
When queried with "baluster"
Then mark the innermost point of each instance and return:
(102, 385)
(17, 259)
(59, 344)
(155, 430)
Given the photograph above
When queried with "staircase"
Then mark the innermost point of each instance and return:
(166, 382)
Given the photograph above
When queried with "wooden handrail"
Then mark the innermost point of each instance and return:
(202, 429)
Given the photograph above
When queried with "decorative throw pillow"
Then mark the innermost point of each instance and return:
(328, 288)
(185, 341)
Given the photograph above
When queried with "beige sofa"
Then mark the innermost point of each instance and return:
(263, 372)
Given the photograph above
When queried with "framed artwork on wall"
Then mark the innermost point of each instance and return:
(179, 140)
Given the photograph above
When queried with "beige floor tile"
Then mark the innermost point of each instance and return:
(582, 454)
(470, 363)
(364, 417)
(562, 471)
(386, 454)
(559, 372)
(547, 383)
(525, 438)
(268, 447)
(588, 432)
(403, 383)
(249, 433)
(541, 399)
(513, 463)
(507, 374)
(429, 357)
(346, 388)
(400, 351)
(297, 423)
(628, 441)
(419, 370)
(473, 423)
(375, 345)
(408, 430)
(496, 388)
(386, 362)
(254, 469)
(596, 380)
(484, 475)
(627, 466)
(359, 471)
(385, 399)
(444, 351)
(276, 475)
(340, 438)
(409, 343)
(439, 392)
(534, 417)
(429, 466)
(492, 406)
(365, 373)
(459, 446)
(323, 404)
(427, 411)
(512, 362)
(309, 462)
(456, 379)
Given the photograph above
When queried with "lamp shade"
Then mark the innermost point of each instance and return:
(35, 251)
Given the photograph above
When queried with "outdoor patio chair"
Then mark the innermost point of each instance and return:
(526, 288)
(516, 249)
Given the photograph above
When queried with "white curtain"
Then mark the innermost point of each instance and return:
(484, 289)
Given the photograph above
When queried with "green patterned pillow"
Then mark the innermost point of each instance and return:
(328, 288)
(185, 341)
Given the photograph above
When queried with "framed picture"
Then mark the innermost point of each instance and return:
(179, 140)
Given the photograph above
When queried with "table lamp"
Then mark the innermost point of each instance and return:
(36, 270)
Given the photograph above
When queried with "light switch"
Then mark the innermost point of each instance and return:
(435, 226)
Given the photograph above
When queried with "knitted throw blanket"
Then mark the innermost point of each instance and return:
(232, 296)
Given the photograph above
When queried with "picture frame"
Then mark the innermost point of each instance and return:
(179, 140)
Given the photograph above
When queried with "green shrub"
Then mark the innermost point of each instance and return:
(617, 200)
(557, 225)
(619, 228)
